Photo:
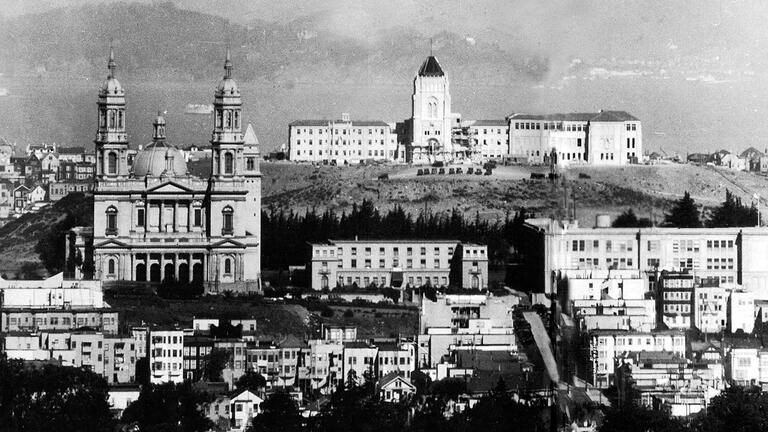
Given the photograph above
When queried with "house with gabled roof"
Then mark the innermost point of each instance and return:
(394, 387)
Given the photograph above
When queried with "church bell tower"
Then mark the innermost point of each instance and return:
(111, 139)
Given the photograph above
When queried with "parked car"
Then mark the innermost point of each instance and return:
(451, 171)
(441, 171)
(470, 170)
(419, 172)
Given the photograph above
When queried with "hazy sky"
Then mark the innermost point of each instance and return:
(556, 28)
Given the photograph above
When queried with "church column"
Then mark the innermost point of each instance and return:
(190, 266)
(133, 267)
(175, 216)
(176, 266)
(161, 227)
(240, 269)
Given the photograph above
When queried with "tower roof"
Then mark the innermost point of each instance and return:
(227, 85)
(111, 86)
(431, 68)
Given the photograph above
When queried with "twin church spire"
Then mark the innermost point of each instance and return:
(111, 140)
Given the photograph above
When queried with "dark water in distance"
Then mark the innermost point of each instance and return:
(677, 114)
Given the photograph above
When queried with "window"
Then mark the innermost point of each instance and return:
(228, 226)
(112, 163)
(250, 164)
(111, 220)
(228, 163)
(198, 217)
(227, 266)
(140, 217)
(111, 266)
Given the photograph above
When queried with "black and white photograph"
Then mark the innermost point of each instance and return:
(383, 215)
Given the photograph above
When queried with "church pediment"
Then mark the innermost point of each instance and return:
(169, 187)
(227, 243)
(111, 243)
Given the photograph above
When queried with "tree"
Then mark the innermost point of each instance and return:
(214, 364)
(628, 219)
(737, 409)
(52, 397)
(252, 381)
(732, 213)
(168, 407)
(279, 412)
(684, 214)
(635, 418)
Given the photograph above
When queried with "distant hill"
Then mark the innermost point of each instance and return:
(163, 42)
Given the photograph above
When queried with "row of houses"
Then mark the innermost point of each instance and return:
(751, 159)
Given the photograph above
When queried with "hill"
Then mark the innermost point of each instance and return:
(649, 190)
(164, 42)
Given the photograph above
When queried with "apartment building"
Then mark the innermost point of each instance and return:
(741, 311)
(606, 346)
(398, 263)
(676, 300)
(396, 358)
(711, 307)
(343, 141)
(359, 361)
(166, 356)
(453, 320)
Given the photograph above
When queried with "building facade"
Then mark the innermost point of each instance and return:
(343, 141)
(398, 263)
(607, 138)
(156, 222)
(726, 255)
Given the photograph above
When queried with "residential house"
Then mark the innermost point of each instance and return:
(395, 388)
(243, 407)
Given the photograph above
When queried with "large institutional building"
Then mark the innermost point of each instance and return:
(435, 133)
(712, 255)
(398, 263)
(157, 222)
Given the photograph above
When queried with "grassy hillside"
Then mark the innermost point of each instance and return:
(19, 238)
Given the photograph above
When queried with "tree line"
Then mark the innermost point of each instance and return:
(286, 234)
(685, 213)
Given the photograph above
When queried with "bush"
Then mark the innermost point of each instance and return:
(326, 312)
(348, 313)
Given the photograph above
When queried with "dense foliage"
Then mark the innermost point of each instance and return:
(51, 397)
(684, 213)
(732, 213)
(285, 234)
(628, 219)
(168, 407)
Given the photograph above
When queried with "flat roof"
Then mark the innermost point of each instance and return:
(331, 242)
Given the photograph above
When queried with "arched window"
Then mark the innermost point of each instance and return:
(111, 220)
(227, 219)
(111, 121)
(111, 267)
(250, 163)
(102, 118)
(227, 266)
(218, 118)
(228, 118)
(112, 163)
(237, 119)
(120, 121)
(228, 163)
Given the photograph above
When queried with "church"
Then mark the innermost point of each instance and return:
(154, 221)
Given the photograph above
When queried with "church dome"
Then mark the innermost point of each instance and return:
(158, 159)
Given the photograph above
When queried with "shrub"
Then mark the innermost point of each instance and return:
(348, 313)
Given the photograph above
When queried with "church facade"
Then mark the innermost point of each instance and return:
(156, 222)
